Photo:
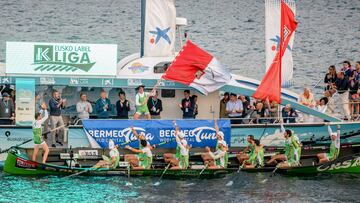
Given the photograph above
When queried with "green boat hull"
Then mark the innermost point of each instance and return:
(18, 164)
(348, 164)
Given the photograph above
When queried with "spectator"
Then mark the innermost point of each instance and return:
(258, 113)
(330, 77)
(289, 114)
(187, 106)
(7, 110)
(321, 106)
(273, 109)
(56, 104)
(37, 102)
(342, 87)
(347, 69)
(122, 106)
(83, 108)
(155, 106)
(196, 107)
(223, 103)
(141, 99)
(246, 104)
(234, 109)
(13, 97)
(103, 106)
(307, 99)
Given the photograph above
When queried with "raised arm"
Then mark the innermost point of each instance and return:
(338, 137)
(282, 127)
(216, 126)
(133, 149)
(46, 115)
(134, 132)
(330, 130)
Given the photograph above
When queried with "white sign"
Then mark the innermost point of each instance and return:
(61, 58)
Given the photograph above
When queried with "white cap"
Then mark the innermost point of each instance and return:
(221, 134)
(181, 134)
(222, 142)
(142, 134)
(111, 144)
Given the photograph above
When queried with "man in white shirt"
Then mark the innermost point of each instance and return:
(234, 108)
(83, 108)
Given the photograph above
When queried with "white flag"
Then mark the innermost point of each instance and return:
(272, 39)
(160, 25)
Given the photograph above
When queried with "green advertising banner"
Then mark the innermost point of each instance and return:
(25, 101)
(61, 59)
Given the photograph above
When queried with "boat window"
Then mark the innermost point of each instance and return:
(166, 93)
(161, 67)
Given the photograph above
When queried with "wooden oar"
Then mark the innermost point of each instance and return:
(84, 171)
(15, 146)
(159, 181)
(203, 170)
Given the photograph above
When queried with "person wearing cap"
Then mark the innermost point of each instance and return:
(103, 106)
(334, 147)
(234, 108)
(220, 143)
(37, 133)
(7, 110)
(256, 160)
(187, 105)
(219, 157)
(289, 114)
(223, 102)
(248, 151)
(182, 162)
(132, 158)
(141, 99)
(291, 157)
(144, 158)
(114, 159)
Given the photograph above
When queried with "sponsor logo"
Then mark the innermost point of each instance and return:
(276, 40)
(62, 58)
(138, 68)
(354, 162)
(159, 34)
(22, 163)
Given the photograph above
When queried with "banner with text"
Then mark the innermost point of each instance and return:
(198, 133)
(25, 101)
(61, 58)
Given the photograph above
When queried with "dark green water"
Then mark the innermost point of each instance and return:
(245, 188)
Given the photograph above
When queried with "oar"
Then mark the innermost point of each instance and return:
(159, 181)
(81, 172)
(15, 146)
(203, 170)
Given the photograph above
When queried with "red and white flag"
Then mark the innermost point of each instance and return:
(198, 69)
(270, 86)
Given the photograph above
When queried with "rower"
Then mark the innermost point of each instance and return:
(140, 136)
(114, 159)
(37, 133)
(219, 158)
(256, 160)
(183, 161)
(291, 157)
(334, 147)
(248, 151)
(207, 158)
(144, 158)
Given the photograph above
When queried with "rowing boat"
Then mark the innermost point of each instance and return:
(17, 163)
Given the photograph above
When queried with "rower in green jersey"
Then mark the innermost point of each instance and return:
(182, 162)
(141, 99)
(114, 159)
(334, 147)
(134, 157)
(207, 158)
(256, 159)
(37, 133)
(219, 157)
(292, 154)
(144, 161)
(248, 151)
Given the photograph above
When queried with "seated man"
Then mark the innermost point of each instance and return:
(257, 158)
(114, 159)
(37, 132)
(141, 136)
(219, 158)
(289, 114)
(207, 158)
(334, 147)
(248, 151)
(144, 158)
(182, 162)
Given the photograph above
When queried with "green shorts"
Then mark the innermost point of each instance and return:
(142, 110)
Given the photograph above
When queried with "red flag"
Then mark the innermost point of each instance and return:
(197, 68)
(270, 86)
